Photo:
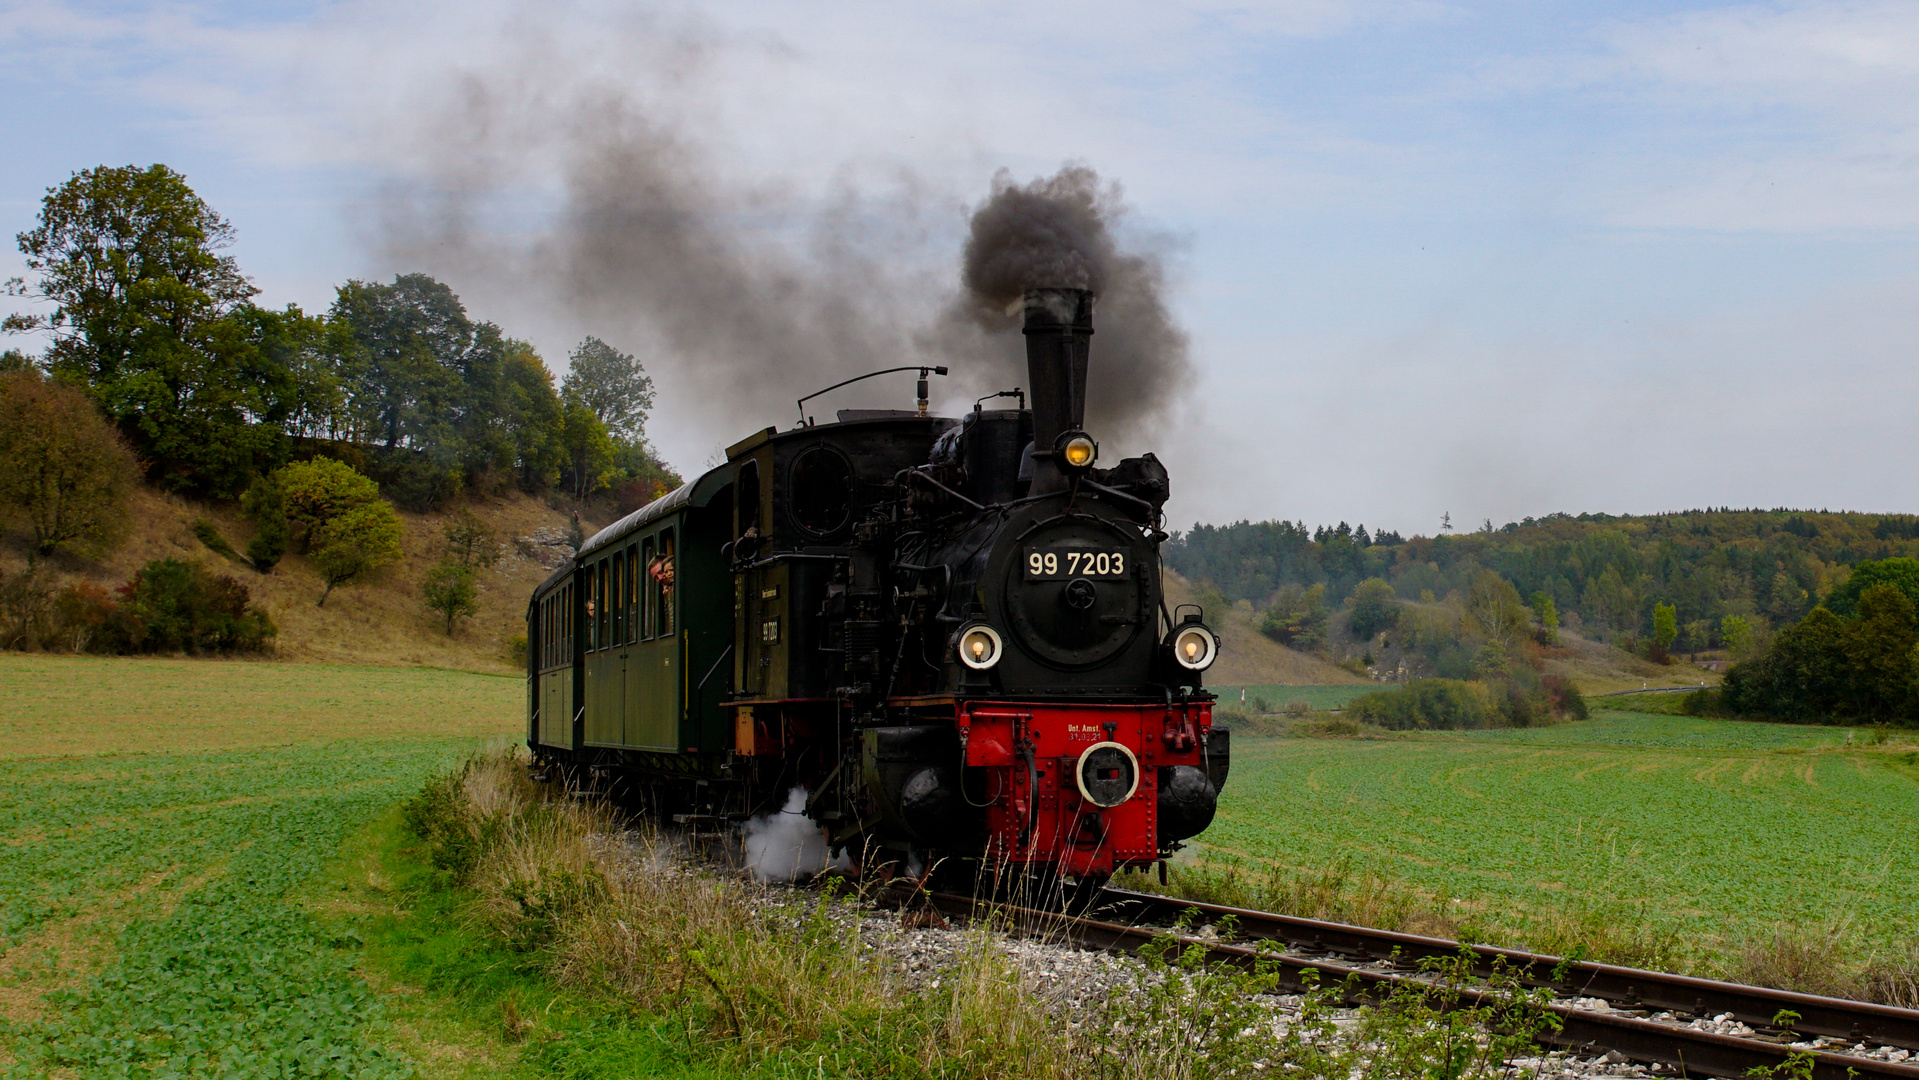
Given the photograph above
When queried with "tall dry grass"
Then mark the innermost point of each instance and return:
(756, 977)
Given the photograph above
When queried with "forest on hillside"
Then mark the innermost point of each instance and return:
(141, 309)
(1605, 574)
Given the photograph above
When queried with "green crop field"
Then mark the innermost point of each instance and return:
(1712, 830)
(156, 819)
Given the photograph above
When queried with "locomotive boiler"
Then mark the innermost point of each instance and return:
(950, 633)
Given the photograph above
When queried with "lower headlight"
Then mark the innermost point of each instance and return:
(1195, 647)
(979, 646)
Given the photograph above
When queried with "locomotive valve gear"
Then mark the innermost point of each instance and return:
(980, 647)
(1195, 648)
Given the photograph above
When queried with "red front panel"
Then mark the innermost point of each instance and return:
(1032, 752)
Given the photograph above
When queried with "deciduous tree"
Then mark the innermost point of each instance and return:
(613, 385)
(350, 545)
(64, 472)
(1375, 607)
(451, 591)
(1665, 630)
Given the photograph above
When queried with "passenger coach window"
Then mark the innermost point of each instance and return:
(631, 598)
(661, 570)
(649, 588)
(616, 600)
(604, 618)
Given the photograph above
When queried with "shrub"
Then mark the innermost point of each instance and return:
(1426, 703)
(1297, 616)
(64, 471)
(176, 606)
(450, 591)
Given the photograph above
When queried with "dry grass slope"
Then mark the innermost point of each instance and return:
(1250, 658)
(377, 621)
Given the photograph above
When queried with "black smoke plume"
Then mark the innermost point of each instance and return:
(739, 298)
(1058, 231)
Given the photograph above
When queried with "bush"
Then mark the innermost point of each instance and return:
(175, 606)
(1426, 704)
(1297, 617)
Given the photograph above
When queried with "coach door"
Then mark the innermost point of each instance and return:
(654, 671)
(602, 661)
(555, 701)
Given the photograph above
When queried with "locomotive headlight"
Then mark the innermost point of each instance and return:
(1076, 451)
(1195, 647)
(979, 647)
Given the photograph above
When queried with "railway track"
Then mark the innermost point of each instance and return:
(1644, 1015)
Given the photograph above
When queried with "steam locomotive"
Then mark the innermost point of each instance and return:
(950, 634)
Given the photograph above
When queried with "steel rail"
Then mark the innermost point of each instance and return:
(1622, 987)
(1690, 1050)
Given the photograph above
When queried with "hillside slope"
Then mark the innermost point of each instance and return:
(1250, 658)
(378, 621)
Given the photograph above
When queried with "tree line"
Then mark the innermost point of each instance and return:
(159, 327)
(1701, 579)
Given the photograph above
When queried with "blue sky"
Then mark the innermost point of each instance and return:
(1493, 259)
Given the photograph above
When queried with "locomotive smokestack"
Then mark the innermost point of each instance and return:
(1059, 330)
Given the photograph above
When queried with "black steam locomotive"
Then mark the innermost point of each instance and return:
(949, 633)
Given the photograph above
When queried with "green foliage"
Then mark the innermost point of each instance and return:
(451, 591)
(64, 473)
(452, 404)
(209, 536)
(1901, 573)
(157, 325)
(265, 504)
(613, 386)
(1547, 614)
(1736, 631)
(315, 492)
(1427, 704)
(1823, 667)
(1427, 1030)
(176, 606)
(1375, 608)
(1665, 630)
(1296, 617)
(1607, 569)
(1493, 610)
(354, 543)
(469, 542)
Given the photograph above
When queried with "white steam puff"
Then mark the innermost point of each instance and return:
(786, 845)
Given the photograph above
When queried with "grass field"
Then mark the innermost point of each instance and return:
(1705, 831)
(158, 821)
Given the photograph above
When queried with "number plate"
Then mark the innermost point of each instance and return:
(1048, 563)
